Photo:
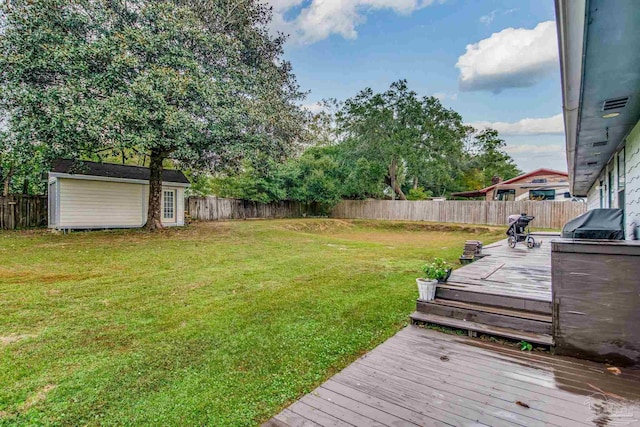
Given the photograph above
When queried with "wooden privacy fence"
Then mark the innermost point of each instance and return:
(548, 214)
(23, 212)
(214, 208)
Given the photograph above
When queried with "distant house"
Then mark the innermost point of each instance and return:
(600, 65)
(540, 184)
(89, 195)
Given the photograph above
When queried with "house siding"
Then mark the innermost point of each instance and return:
(593, 198)
(632, 181)
(631, 188)
(554, 181)
(84, 203)
(96, 204)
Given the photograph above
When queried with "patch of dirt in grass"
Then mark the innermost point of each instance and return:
(425, 226)
(33, 399)
(26, 277)
(110, 337)
(37, 397)
(316, 226)
(10, 339)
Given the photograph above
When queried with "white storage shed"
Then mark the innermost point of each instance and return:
(89, 195)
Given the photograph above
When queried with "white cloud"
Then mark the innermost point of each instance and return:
(320, 19)
(488, 19)
(513, 57)
(553, 125)
(314, 108)
(443, 96)
(537, 149)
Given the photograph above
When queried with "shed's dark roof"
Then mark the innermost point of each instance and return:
(112, 170)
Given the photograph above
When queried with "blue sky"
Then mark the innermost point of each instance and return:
(507, 78)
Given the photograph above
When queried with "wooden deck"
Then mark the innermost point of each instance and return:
(421, 377)
(518, 272)
(507, 294)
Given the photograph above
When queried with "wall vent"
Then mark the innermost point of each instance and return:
(600, 143)
(592, 163)
(615, 103)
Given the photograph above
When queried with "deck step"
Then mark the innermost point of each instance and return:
(466, 295)
(487, 315)
(522, 314)
(534, 338)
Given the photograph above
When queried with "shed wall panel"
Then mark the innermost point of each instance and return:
(85, 203)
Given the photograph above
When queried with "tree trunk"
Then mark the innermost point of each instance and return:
(415, 182)
(401, 195)
(25, 187)
(393, 179)
(7, 182)
(154, 218)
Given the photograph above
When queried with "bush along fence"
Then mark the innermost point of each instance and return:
(214, 208)
(18, 212)
(548, 214)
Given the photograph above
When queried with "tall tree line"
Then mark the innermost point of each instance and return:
(393, 144)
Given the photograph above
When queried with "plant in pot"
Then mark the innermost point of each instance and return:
(435, 272)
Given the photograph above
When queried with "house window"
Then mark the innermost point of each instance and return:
(169, 205)
(621, 184)
(542, 194)
(621, 170)
(506, 195)
(611, 191)
(539, 181)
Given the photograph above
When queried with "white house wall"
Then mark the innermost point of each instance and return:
(632, 184)
(85, 203)
(100, 204)
(632, 180)
(593, 197)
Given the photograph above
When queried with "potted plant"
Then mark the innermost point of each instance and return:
(435, 272)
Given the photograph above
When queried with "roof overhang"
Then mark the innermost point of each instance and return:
(476, 193)
(111, 179)
(599, 43)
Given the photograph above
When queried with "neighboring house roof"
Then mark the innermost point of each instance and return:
(537, 172)
(111, 170)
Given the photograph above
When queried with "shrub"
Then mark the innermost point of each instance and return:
(436, 270)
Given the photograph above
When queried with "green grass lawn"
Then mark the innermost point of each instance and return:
(213, 324)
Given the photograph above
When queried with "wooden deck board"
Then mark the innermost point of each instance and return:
(520, 271)
(427, 378)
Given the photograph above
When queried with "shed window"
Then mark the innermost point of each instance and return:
(506, 195)
(168, 208)
(542, 194)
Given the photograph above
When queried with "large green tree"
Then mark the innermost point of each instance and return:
(200, 82)
(408, 135)
(488, 158)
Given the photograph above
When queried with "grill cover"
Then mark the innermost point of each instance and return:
(596, 224)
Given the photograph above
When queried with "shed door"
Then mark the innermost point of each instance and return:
(169, 205)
